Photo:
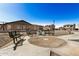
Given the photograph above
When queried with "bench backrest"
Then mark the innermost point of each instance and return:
(12, 34)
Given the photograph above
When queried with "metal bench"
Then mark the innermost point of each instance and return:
(17, 40)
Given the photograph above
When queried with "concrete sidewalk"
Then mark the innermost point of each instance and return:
(26, 50)
(71, 48)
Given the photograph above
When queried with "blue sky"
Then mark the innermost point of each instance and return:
(40, 13)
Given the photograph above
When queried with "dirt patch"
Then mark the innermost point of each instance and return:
(4, 39)
(49, 42)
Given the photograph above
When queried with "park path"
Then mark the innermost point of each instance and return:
(70, 49)
(26, 50)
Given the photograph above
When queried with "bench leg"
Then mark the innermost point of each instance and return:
(14, 40)
(14, 48)
(16, 44)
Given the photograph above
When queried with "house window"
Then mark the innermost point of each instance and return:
(24, 27)
(8, 27)
(18, 26)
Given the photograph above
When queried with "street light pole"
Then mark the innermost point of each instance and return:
(53, 27)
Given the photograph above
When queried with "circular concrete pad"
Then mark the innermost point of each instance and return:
(47, 41)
